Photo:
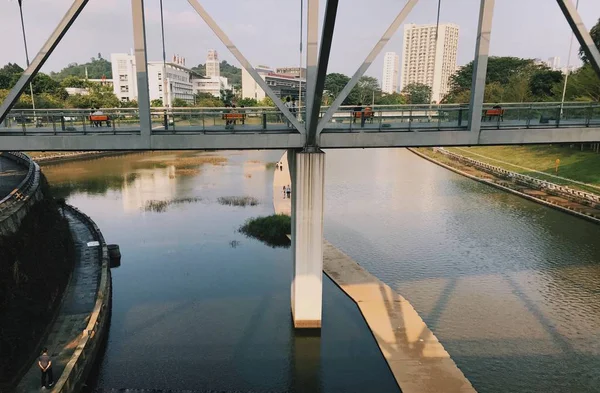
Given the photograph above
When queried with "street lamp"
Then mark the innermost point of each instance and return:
(26, 54)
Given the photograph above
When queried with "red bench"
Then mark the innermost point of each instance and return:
(98, 119)
(233, 116)
(367, 113)
(494, 112)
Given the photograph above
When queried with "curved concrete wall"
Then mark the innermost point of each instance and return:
(15, 207)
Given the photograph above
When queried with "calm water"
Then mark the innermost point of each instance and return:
(511, 288)
(197, 305)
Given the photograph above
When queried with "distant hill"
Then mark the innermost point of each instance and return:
(231, 72)
(97, 68)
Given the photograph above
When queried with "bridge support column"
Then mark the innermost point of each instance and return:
(307, 171)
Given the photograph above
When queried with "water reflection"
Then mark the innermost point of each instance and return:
(511, 288)
(196, 304)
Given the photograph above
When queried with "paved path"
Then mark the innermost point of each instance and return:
(418, 361)
(78, 303)
(11, 175)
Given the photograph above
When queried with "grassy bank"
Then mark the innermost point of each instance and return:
(35, 264)
(271, 230)
(539, 161)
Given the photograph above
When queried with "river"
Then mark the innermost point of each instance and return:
(511, 288)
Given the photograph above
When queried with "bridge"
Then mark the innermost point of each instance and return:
(303, 136)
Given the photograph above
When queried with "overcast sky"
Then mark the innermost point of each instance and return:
(267, 31)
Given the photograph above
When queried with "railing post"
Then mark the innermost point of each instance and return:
(409, 118)
(529, 116)
(589, 112)
(53, 124)
(558, 117)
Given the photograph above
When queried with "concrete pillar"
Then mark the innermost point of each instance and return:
(307, 171)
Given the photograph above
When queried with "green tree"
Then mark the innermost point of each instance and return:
(595, 33)
(227, 96)
(74, 81)
(334, 83)
(391, 99)
(247, 102)
(9, 74)
(417, 93)
(366, 90)
(583, 85)
(267, 101)
(156, 103)
(129, 104)
(542, 83)
(500, 69)
(179, 103)
(97, 69)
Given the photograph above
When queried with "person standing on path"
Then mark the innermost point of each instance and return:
(45, 364)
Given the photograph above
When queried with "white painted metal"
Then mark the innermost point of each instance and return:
(245, 63)
(583, 36)
(312, 50)
(482, 50)
(42, 56)
(141, 65)
(308, 182)
(365, 65)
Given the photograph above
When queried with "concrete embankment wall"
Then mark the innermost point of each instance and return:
(17, 205)
(79, 366)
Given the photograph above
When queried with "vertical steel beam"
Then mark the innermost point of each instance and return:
(482, 50)
(321, 72)
(312, 37)
(41, 57)
(245, 63)
(141, 67)
(365, 65)
(581, 32)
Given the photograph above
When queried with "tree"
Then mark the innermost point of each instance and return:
(179, 103)
(97, 69)
(267, 101)
(73, 81)
(247, 102)
(417, 93)
(500, 69)
(542, 83)
(9, 74)
(334, 83)
(391, 99)
(156, 103)
(227, 96)
(584, 85)
(595, 33)
(366, 90)
(129, 104)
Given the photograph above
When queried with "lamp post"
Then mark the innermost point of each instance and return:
(26, 54)
(300, 69)
(164, 70)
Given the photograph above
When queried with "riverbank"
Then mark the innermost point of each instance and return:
(417, 360)
(552, 195)
(577, 168)
(45, 158)
(81, 321)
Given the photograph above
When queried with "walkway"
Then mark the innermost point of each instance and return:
(11, 175)
(418, 361)
(77, 305)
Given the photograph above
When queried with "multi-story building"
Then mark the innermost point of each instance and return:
(178, 82)
(429, 61)
(553, 63)
(283, 85)
(292, 71)
(211, 85)
(213, 69)
(391, 65)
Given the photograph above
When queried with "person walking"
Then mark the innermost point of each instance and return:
(288, 191)
(45, 364)
(288, 104)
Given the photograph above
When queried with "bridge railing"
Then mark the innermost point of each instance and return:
(262, 119)
(127, 120)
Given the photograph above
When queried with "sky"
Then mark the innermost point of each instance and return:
(268, 31)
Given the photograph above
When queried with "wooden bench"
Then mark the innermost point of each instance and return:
(367, 113)
(98, 119)
(494, 112)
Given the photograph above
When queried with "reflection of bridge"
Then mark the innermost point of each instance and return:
(402, 125)
(146, 128)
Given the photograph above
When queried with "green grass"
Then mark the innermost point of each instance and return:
(581, 166)
(271, 230)
(238, 201)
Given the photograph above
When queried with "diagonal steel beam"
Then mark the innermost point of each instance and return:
(41, 57)
(321, 73)
(365, 65)
(245, 63)
(581, 32)
(141, 67)
(312, 52)
(480, 62)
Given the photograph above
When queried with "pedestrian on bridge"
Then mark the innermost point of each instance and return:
(45, 364)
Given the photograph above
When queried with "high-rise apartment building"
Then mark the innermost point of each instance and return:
(391, 66)
(553, 63)
(213, 69)
(427, 60)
